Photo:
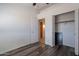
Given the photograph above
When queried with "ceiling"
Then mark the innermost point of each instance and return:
(41, 6)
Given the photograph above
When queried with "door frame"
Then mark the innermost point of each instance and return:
(65, 21)
(76, 30)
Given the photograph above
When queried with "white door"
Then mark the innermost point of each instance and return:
(69, 34)
(68, 31)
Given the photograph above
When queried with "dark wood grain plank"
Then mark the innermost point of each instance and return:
(35, 50)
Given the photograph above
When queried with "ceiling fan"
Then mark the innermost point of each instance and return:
(34, 4)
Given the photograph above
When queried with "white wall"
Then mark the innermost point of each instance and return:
(18, 26)
(55, 10)
(48, 31)
(70, 16)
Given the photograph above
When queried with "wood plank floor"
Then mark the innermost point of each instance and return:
(35, 50)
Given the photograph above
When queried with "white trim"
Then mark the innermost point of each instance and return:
(76, 31)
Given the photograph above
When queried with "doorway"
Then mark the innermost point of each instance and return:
(65, 29)
(42, 33)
